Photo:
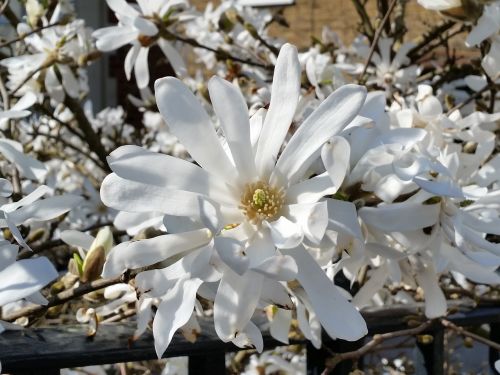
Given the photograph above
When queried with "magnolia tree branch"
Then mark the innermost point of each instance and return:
(366, 24)
(415, 53)
(462, 331)
(68, 295)
(91, 136)
(378, 33)
(373, 343)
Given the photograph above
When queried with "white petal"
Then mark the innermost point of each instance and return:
(69, 81)
(284, 98)
(235, 302)
(335, 156)
(130, 60)
(338, 317)
(122, 7)
(274, 293)
(400, 217)
(312, 218)
(28, 166)
(249, 337)
(343, 218)
(371, 287)
(232, 111)
(6, 188)
(115, 37)
(25, 277)
(311, 190)
(145, 26)
(136, 254)
(333, 115)
(174, 311)
(140, 165)
(233, 254)
(280, 325)
(46, 209)
(189, 122)
(8, 254)
(435, 301)
(174, 58)
(134, 196)
(141, 68)
(279, 267)
(77, 239)
(285, 234)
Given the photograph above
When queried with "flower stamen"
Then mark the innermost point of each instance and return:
(260, 201)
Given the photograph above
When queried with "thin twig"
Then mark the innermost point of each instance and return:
(366, 24)
(373, 343)
(471, 98)
(462, 331)
(220, 53)
(30, 75)
(24, 35)
(378, 33)
(4, 6)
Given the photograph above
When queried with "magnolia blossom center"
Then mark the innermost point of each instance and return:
(261, 201)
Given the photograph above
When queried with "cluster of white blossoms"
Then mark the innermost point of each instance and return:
(287, 193)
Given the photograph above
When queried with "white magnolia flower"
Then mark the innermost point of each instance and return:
(139, 27)
(246, 210)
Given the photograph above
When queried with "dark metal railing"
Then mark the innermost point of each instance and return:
(43, 351)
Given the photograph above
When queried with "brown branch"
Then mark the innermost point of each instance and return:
(366, 24)
(91, 136)
(373, 343)
(70, 294)
(30, 75)
(471, 98)
(462, 331)
(434, 33)
(378, 33)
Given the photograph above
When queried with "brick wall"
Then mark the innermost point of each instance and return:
(307, 18)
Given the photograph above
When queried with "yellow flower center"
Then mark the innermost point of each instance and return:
(260, 201)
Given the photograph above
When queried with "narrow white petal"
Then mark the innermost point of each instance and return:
(335, 155)
(279, 267)
(400, 217)
(189, 122)
(338, 317)
(174, 58)
(232, 253)
(28, 166)
(311, 190)
(232, 111)
(141, 68)
(435, 301)
(284, 98)
(140, 165)
(136, 254)
(333, 115)
(174, 311)
(280, 325)
(25, 277)
(235, 302)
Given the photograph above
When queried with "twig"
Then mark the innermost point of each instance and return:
(220, 53)
(462, 331)
(373, 343)
(30, 75)
(24, 35)
(471, 98)
(4, 6)
(414, 54)
(70, 294)
(378, 33)
(119, 316)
